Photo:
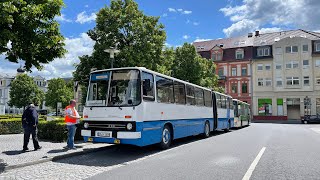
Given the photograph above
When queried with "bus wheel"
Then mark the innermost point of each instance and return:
(166, 137)
(206, 133)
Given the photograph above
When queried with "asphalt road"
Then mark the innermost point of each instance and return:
(291, 152)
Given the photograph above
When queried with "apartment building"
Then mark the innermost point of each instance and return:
(286, 73)
(232, 57)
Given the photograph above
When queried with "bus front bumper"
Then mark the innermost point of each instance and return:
(111, 134)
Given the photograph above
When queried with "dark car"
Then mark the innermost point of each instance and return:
(311, 119)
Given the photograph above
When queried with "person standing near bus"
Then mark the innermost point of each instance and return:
(29, 124)
(72, 119)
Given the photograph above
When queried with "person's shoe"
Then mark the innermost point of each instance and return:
(40, 147)
(73, 148)
(25, 149)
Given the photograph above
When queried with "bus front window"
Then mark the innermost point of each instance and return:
(98, 89)
(125, 88)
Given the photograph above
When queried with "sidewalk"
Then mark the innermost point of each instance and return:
(11, 155)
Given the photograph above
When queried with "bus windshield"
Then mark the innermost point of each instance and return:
(124, 88)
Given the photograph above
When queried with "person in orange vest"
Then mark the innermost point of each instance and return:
(71, 118)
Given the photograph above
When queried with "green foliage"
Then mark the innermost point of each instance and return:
(24, 90)
(30, 27)
(12, 126)
(139, 38)
(167, 59)
(58, 91)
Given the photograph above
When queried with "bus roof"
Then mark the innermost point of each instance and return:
(159, 74)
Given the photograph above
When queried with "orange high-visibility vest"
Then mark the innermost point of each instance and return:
(69, 119)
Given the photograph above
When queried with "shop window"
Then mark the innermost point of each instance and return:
(265, 107)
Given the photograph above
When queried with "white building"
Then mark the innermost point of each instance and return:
(5, 85)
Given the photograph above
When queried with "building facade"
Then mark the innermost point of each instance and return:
(5, 82)
(233, 58)
(286, 72)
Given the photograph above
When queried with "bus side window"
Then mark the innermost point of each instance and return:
(164, 90)
(223, 102)
(198, 93)
(179, 92)
(207, 98)
(147, 86)
(218, 100)
(190, 95)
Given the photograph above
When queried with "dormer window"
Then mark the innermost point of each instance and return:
(263, 51)
(239, 54)
(216, 55)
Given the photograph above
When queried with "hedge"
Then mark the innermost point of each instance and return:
(55, 131)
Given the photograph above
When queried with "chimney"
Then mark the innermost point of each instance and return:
(257, 33)
(250, 35)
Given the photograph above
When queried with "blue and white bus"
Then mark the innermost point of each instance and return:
(141, 107)
(242, 114)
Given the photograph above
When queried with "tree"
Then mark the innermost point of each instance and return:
(23, 91)
(58, 91)
(167, 59)
(29, 32)
(139, 38)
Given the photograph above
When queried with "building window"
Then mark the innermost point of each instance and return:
(292, 64)
(260, 67)
(265, 107)
(305, 63)
(318, 105)
(280, 107)
(278, 66)
(268, 67)
(221, 72)
(263, 51)
(234, 88)
(216, 55)
(243, 71)
(293, 81)
(260, 81)
(318, 80)
(291, 49)
(244, 88)
(233, 71)
(306, 80)
(279, 81)
(317, 63)
(317, 47)
(239, 54)
(278, 50)
(305, 48)
(268, 82)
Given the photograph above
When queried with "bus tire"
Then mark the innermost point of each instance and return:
(166, 137)
(206, 132)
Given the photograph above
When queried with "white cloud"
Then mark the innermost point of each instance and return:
(256, 14)
(186, 12)
(164, 15)
(179, 10)
(84, 18)
(199, 39)
(185, 37)
(62, 18)
(172, 10)
(269, 30)
(60, 67)
(86, 6)
(195, 23)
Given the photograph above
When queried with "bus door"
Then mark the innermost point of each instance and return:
(215, 111)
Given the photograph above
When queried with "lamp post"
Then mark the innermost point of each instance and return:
(112, 51)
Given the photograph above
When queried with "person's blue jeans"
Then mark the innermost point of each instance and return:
(71, 133)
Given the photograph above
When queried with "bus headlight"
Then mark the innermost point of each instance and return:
(86, 125)
(129, 126)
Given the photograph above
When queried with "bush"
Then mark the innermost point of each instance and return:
(11, 126)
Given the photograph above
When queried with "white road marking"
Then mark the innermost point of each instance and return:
(253, 165)
(317, 130)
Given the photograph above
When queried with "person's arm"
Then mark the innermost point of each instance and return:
(69, 114)
(34, 117)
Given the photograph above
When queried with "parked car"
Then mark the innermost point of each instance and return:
(311, 119)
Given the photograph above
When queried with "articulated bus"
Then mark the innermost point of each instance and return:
(141, 107)
(242, 114)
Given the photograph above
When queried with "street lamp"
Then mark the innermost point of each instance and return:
(112, 51)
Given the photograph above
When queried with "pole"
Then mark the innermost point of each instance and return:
(112, 59)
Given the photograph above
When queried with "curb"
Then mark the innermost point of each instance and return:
(55, 158)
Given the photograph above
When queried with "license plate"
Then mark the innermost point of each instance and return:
(90, 139)
(117, 141)
(103, 134)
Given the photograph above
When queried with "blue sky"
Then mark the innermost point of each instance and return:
(184, 21)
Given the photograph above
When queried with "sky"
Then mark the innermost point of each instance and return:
(184, 21)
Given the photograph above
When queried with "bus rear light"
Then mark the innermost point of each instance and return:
(85, 116)
(127, 117)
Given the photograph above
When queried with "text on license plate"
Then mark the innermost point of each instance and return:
(103, 134)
